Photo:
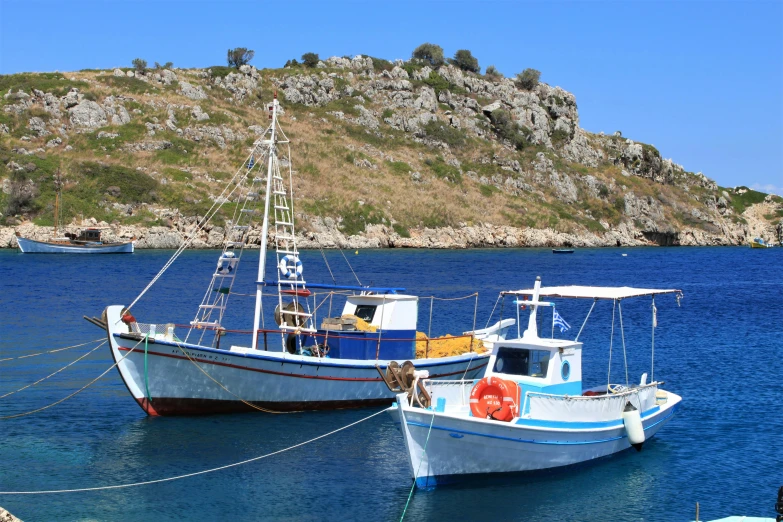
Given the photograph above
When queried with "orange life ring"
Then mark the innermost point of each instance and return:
(495, 398)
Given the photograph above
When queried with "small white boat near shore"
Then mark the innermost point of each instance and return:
(529, 411)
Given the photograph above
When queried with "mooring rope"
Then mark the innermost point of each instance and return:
(50, 351)
(53, 374)
(203, 472)
(74, 393)
(416, 475)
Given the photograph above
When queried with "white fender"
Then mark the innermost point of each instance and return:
(632, 420)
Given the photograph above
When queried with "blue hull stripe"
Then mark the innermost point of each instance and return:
(579, 425)
(531, 441)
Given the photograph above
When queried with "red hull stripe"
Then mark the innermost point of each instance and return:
(326, 378)
(165, 406)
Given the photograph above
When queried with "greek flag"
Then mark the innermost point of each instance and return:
(559, 321)
(250, 163)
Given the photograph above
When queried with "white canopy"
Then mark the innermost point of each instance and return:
(594, 292)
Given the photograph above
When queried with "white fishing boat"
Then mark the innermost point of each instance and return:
(299, 364)
(529, 411)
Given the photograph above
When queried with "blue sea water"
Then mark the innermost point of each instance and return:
(721, 350)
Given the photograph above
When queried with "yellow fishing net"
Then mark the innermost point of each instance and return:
(446, 346)
(361, 324)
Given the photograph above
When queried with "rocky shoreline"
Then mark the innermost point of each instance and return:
(325, 234)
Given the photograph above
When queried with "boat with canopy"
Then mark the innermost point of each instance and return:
(529, 410)
(297, 363)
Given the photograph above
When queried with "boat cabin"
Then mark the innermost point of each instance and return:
(391, 332)
(88, 235)
(551, 366)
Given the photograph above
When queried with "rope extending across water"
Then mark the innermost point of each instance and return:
(6, 417)
(196, 473)
(50, 351)
(54, 373)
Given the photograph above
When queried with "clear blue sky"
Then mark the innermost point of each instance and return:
(702, 81)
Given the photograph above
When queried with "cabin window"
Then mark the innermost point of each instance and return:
(366, 312)
(521, 361)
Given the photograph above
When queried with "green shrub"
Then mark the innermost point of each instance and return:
(54, 83)
(444, 171)
(139, 65)
(429, 53)
(444, 132)
(492, 73)
(507, 129)
(356, 217)
(399, 167)
(401, 230)
(135, 186)
(238, 57)
(291, 63)
(220, 71)
(124, 83)
(528, 79)
(740, 202)
(603, 191)
(465, 60)
(21, 194)
(487, 190)
(560, 137)
(387, 113)
(379, 64)
(310, 59)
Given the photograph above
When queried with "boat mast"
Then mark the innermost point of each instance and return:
(58, 190)
(264, 229)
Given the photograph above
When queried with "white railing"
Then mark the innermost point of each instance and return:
(455, 393)
(544, 406)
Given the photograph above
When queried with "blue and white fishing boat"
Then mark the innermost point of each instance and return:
(88, 241)
(298, 363)
(529, 411)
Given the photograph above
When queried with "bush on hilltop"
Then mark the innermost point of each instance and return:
(429, 53)
(310, 59)
(239, 56)
(465, 60)
(528, 79)
(139, 65)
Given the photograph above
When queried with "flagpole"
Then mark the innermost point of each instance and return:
(553, 322)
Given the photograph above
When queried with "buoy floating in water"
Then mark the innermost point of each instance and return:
(633, 426)
(356, 253)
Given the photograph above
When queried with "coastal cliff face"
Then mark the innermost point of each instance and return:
(385, 155)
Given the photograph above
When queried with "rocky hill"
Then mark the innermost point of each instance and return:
(385, 154)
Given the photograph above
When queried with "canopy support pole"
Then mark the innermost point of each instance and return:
(654, 324)
(611, 341)
(595, 300)
(622, 335)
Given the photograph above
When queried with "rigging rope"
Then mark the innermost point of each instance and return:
(188, 475)
(349, 265)
(51, 351)
(219, 201)
(53, 374)
(74, 393)
(259, 408)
